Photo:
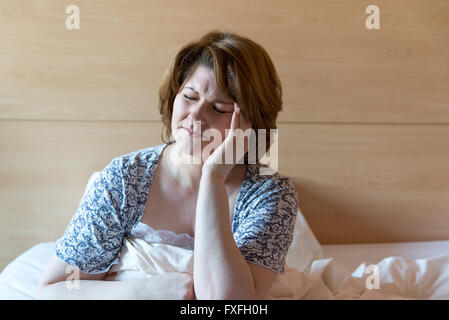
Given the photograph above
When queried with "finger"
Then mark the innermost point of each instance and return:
(239, 124)
(243, 122)
(235, 118)
(233, 124)
(246, 125)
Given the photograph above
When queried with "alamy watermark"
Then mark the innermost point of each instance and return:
(73, 20)
(235, 153)
(373, 20)
(73, 280)
(372, 281)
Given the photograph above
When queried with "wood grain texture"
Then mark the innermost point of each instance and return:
(332, 67)
(370, 183)
(364, 132)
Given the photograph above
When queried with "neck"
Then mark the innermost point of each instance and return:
(187, 175)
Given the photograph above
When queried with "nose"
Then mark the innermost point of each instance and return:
(197, 112)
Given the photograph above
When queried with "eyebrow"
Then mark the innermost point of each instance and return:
(217, 101)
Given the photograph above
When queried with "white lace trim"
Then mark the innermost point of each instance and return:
(145, 232)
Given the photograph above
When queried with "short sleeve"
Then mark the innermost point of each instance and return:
(92, 240)
(266, 232)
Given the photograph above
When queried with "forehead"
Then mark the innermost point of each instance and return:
(202, 80)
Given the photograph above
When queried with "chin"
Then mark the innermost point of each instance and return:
(187, 151)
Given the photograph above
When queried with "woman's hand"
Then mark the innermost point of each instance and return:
(216, 162)
(168, 286)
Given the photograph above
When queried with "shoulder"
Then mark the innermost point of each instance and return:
(265, 218)
(133, 165)
(127, 178)
(139, 158)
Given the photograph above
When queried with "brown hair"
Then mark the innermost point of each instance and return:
(243, 71)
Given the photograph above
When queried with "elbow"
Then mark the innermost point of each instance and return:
(246, 295)
(42, 292)
(238, 296)
(48, 291)
(227, 294)
(43, 289)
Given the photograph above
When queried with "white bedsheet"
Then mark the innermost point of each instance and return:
(415, 270)
(352, 255)
(328, 279)
(19, 279)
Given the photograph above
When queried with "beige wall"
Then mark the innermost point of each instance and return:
(364, 133)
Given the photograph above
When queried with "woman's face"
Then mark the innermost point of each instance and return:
(198, 106)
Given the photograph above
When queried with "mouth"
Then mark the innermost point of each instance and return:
(190, 132)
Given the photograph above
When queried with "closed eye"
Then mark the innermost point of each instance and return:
(190, 98)
(214, 107)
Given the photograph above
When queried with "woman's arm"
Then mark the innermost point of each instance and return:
(172, 286)
(220, 270)
(55, 284)
(62, 281)
(92, 289)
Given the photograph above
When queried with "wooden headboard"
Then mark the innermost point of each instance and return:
(364, 132)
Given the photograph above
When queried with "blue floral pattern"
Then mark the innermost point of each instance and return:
(262, 225)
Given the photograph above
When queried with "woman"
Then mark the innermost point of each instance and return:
(239, 222)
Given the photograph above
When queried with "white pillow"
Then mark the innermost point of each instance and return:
(305, 247)
(20, 278)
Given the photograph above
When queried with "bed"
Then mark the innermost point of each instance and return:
(408, 270)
